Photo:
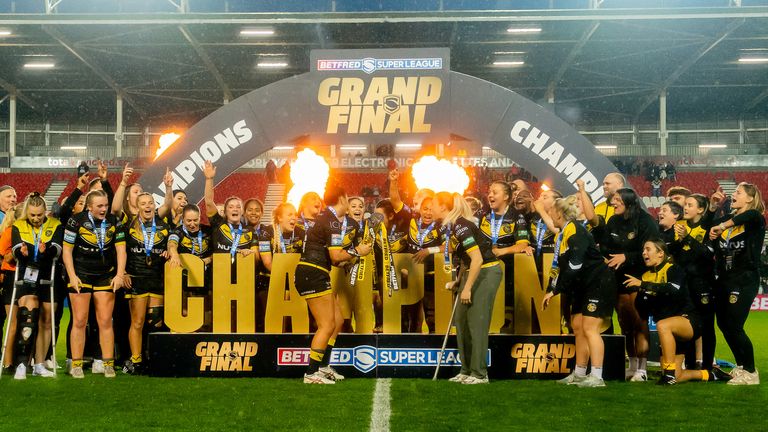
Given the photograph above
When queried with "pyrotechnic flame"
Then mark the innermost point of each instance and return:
(439, 175)
(165, 141)
(309, 173)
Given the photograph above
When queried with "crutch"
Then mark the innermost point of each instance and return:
(50, 283)
(10, 319)
(447, 332)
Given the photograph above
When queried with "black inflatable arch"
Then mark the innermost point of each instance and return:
(489, 114)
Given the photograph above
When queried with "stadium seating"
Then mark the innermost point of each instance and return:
(26, 182)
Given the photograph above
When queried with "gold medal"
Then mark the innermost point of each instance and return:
(149, 260)
(447, 268)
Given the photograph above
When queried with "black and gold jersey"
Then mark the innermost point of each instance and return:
(579, 262)
(505, 230)
(327, 233)
(627, 237)
(93, 243)
(542, 239)
(195, 243)
(224, 233)
(466, 236)
(738, 248)
(423, 235)
(50, 234)
(663, 292)
(289, 242)
(604, 211)
(139, 235)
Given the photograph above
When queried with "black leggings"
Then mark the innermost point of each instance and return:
(733, 300)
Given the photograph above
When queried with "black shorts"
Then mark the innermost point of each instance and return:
(93, 283)
(596, 297)
(142, 286)
(312, 281)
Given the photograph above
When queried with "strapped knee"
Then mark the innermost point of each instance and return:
(27, 324)
(155, 316)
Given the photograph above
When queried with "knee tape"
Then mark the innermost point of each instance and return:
(155, 316)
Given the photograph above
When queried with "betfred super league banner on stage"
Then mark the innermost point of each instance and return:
(385, 96)
(368, 356)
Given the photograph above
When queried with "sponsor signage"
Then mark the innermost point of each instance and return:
(45, 162)
(385, 96)
(371, 356)
(380, 163)
(760, 303)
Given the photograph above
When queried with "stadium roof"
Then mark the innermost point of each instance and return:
(602, 64)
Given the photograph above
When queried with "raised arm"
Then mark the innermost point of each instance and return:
(165, 209)
(210, 172)
(119, 199)
(586, 204)
(394, 190)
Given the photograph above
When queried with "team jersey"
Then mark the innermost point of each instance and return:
(579, 262)
(605, 211)
(50, 233)
(93, 243)
(542, 239)
(256, 231)
(397, 233)
(196, 243)
(422, 235)
(663, 292)
(627, 236)
(327, 233)
(223, 234)
(505, 230)
(466, 236)
(173, 224)
(138, 236)
(691, 252)
(738, 248)
(289, 242)
(305, 222)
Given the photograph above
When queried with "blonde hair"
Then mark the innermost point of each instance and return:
(33, 199)
(457, 207)
(305, 200)
(568, 207)
(752, 190)
(136, 219)
(276, 230)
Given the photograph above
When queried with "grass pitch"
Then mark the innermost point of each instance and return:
(142, 403)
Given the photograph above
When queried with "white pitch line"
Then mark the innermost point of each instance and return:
(380, 412)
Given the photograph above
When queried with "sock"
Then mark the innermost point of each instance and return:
(669, 368)
(705, 375)
(109, 362)
(77, 363)
(597, 372)
(315, 360)
(136, 359)
(700, 364)
(581, 371)
(632, 363)
(328, 350)
(642, 364)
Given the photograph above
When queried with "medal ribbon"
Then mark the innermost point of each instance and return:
(101, 234)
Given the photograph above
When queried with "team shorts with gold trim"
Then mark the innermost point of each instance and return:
(595, 298)
(312, 281)
(93, 283)
(142, 286)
